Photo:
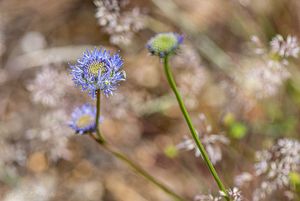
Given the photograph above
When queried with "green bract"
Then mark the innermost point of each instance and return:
(164, 44)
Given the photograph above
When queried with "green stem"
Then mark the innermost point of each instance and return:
(138, 169)
(98, 102)
(191, 127)
(100, 140)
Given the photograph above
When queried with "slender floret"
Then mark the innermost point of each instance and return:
(83, 119)
(275, 166)
(98, 69)
(211, 142)
(234, 194)
(164, 44)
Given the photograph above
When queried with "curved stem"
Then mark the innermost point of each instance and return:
(191, 127)
(100, 140)
(138, 169)
(98, 102)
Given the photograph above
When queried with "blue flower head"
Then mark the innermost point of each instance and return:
(98, 69)
(164, 44)
(83, 119)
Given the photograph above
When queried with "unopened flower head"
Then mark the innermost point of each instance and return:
(83, 119)
(98, 69)
(164, 44)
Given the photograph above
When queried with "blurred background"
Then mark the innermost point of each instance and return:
(238, 73)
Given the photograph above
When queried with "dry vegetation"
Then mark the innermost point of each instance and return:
(237, 70)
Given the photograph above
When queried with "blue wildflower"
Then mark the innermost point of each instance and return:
(83, 119)
(98, 69)
(164, 44)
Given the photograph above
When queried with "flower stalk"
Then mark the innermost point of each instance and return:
(119, 155)
(194, 134)
(98, 106)
(100, 72)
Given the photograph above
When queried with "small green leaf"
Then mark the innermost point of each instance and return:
(294, 178)
(171, 151)
(237, 130)
(229, 119)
